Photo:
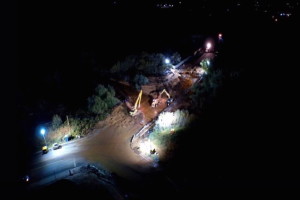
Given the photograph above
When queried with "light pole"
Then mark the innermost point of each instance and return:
(43, 131)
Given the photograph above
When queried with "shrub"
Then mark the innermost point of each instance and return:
(100, 90)
(175, 58)
(140, 80)
(103, 100)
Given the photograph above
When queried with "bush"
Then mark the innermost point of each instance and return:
(57, 135)
(97, 105)
(100, 90)
(140, 80)
(103, 100)
(81, 126)
(111, 90)
(111, 101)
(175, 58)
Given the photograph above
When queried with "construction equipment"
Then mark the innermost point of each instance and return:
(156, 101)
(136, 105)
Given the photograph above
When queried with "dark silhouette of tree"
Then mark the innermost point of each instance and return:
(56, 121)
(103, 100)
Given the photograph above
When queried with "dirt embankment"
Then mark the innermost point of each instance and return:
(118, 118)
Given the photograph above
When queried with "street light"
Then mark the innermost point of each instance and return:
(43, 131)
(167, 61)
(208, 46)
(220, 36)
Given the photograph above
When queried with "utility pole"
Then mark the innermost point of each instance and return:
(68, 120)
(44, 139)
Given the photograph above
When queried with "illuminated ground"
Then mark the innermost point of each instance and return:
(111, 148)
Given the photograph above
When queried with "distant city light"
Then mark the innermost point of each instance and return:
(167, 61)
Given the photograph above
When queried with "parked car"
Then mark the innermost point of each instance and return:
(45, 149)
(56, 146)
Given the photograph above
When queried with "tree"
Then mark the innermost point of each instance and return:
(100, 90)
(56, 121)
(116, 68)
(111, 90)
(96, 105)
(103, 100)
(175, 58)
(140, 80)
(111, 101)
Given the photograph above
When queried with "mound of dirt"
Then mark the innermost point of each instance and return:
(118, 118)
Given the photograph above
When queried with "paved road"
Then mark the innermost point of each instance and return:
(108, 148)
(55, 165)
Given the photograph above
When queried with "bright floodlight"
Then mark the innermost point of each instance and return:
(167, 60)
(43, 131)
(146, 147)
(165, 120)
(208, 63)
(208, 45)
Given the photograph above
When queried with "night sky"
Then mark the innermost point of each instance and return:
(51, 46)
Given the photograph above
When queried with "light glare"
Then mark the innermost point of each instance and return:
(43, 131)
(208, 45)
(167, 60)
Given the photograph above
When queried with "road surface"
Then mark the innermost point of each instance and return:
(109, 148)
